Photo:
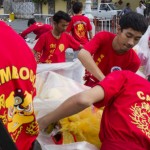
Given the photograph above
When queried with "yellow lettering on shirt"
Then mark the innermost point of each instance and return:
(24, 73)
(99, 59)
(10, 73)
(140, 113)
(52, 46)
(143, 96)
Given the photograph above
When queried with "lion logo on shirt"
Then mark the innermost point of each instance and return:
(141, 117)
(61, 47)
(20, 109)
(20, 112)
(80, 31)
(115, 68)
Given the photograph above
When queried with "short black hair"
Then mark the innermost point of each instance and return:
(128, 4)
(77, 7)
(61, 15)
(31, 21)
(135, 21)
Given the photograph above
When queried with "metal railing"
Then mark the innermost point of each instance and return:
(102, 24)
(49, 20)
(46, 17)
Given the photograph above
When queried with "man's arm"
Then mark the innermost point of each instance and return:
(36, 55)
(143, 6)
(88, 62)
(72, 106)
(27, 31)
(90, 34)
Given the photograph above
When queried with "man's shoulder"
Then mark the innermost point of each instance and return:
(66, 34)
(82, 16)
(128, 74)
(46, 34)
(105, 34)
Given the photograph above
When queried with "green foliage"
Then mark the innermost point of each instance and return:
(40, 1)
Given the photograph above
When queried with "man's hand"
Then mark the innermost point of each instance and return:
(43, 123)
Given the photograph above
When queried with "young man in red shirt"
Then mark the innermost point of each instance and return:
(17, 90)
(52, 45)
(38, 28)
(80, 25)
(108, 52)
(125, 120)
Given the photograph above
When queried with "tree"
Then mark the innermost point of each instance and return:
(7, 4)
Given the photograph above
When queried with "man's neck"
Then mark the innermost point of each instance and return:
(78, 14)
(116, 47)
(56, 34)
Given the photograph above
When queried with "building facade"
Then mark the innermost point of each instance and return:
(52, 6)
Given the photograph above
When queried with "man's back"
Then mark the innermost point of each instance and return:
(17, 77)
(79, 28)
(125, 121)
(38, 28)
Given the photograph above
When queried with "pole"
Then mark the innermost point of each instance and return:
(88, 13)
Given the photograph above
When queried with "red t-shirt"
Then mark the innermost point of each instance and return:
(17, 77)
(79, 27)
(53, 50)
(125, 122)
(107, 59)
(37, 28)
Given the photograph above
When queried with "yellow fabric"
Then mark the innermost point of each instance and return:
(84, 125)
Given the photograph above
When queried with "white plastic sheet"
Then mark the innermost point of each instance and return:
(73, 70)
(72, 146)
(52, 90)
(143, 52)
(48, 144)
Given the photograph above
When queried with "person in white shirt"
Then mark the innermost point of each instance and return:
(140, 9)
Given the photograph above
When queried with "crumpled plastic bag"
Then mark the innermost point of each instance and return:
(73, 70)
(143, 52)
(52, 90)
(73, 146)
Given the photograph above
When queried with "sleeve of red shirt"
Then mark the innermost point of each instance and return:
(112, 86)
(69, 28)
(95, 43)
(39, 46)
(75, 45)
(135, 62)
(28, 30)
(89, 26)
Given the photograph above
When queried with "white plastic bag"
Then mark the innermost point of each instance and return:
(47, 144)
(52, 90)
(73, 70)
(73, 146)
(143, 52)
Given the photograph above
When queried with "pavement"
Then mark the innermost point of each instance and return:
(21, 24)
